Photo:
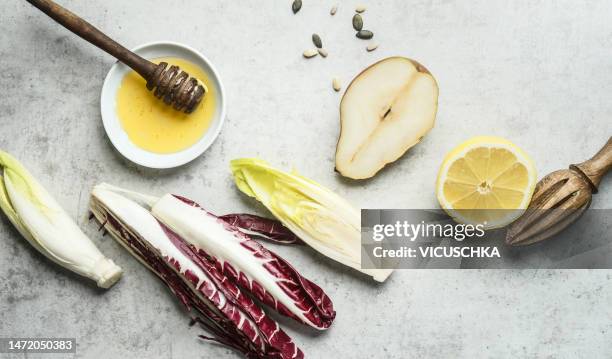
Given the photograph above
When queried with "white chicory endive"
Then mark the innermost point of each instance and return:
(318, 216)
(41, 220)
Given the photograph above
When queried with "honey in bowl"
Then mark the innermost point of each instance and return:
(156, 127)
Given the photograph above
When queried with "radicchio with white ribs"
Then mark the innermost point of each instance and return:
(244, 261)
(261, 227)
(215, 302)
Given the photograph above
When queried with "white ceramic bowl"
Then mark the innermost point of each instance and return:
(120, 139)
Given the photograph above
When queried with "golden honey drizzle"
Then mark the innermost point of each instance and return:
(156, 127)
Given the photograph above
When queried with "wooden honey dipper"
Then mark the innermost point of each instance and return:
(560, 198)
(168, 83)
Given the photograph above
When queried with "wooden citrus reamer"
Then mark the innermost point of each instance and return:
(560, 198)
(169, 83)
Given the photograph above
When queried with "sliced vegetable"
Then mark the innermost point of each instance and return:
(43, 223)
(266, 228)
(244, 261)
(318, 216)
(219, 305)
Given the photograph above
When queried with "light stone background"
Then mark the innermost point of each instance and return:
(536, 72)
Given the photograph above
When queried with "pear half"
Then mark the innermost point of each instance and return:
(386, 110)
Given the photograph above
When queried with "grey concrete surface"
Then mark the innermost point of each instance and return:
(538, 73)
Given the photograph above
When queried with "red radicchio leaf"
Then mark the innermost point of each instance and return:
(306, 296)
(266, 228)
(232, 317)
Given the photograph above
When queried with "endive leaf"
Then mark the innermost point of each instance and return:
(7, 208)
(22, 180)
(44, 223)
(7, 162)
(5, 203)
(318, 216)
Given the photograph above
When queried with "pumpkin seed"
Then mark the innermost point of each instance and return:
(310, 53)
(357, 22)
(296, 6)
(316, 40)
(323, 52)
(360, 9)
(372, 47)
(365, 34)
(333, 10)
(336, 84)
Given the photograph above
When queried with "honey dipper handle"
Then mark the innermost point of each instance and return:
(597, 167)
(88, 32)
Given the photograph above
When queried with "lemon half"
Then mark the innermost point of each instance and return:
(486, 180)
